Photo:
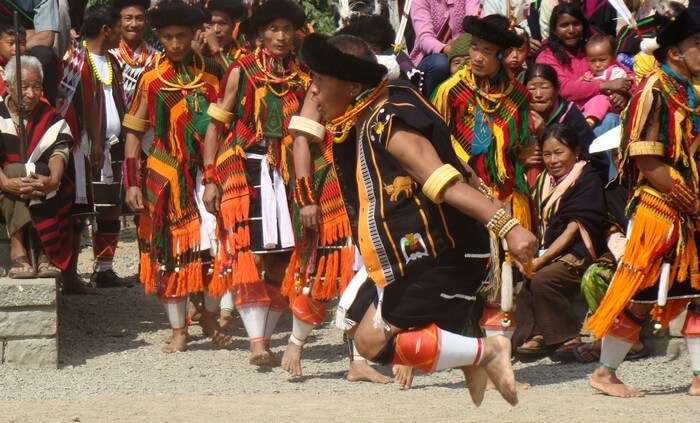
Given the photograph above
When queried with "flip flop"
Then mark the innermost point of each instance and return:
(565, 352)
(586, 353)
(19, 269)
(46, 269)
(540, 349)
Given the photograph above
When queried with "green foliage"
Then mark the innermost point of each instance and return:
(320, 12)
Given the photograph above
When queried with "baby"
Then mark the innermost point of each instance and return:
(602, 65)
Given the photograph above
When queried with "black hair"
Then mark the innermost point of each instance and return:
(541, 70)
(555, 43)
(602, 39)
(661, 53)
(376, 30)
(562, 133)
(97, 17)
(7, 27)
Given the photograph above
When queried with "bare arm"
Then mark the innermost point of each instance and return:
(43, 38)
(132, 150)
(211, 139)
(559, 244)
(655, 171)
(212, 194)
(303, 165)
(418, 157)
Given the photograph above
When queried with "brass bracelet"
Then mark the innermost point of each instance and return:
(136, 124)
(513, 222)
(219, 114)
(303, 192)
(436, 183)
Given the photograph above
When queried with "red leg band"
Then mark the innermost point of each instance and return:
(308, 310)
(278, 302)
(691, 328)
(418, 348)
(625, 327)
(251, 293)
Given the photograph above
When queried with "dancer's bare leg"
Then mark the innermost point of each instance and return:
(607, 382)
(403, 376)
(178, 341)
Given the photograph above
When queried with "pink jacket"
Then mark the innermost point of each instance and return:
(571, 86)
(429, 16)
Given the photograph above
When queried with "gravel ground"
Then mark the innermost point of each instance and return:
(111, 369)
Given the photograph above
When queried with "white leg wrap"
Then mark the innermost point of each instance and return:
(508, 333)
(300, 331)
(254, 317)
(211, 304)
(356, 356)
(693, 343)
(273, 317)
(177, 312)
(613, 351)
(227, 301)
(458, 351)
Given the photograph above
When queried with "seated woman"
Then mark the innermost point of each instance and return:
(546, 101)
(34, 192)
(565, 52)
(571, 211)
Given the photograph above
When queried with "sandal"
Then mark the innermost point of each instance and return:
(565, 352)
(587, 352)
(21, 269)
(540, 347)
(46, 269)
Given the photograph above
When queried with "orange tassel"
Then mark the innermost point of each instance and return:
(320, 269)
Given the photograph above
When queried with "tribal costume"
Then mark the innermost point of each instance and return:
(413, 246)
(170, 230)
(489, 128)
(660, 259)
(252, 170)
(48, 136)
(133, 63)
(91, 97)
(235, 10)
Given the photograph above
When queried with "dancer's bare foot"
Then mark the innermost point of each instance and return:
(361, 371)
(259, 354)
(475, 378)
(403, 376)
(291, 360)
(210, 328)
(608, 383)
(695, 387)
(178, 341)
(497, 364)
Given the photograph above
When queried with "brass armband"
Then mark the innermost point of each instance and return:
(306, 126)
(219, 114)
(132, 122)
(646, 148)
(439, 180)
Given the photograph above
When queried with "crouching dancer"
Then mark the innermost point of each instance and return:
(175, 232)
(412, 230)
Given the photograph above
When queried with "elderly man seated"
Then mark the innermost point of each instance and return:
(35, 192)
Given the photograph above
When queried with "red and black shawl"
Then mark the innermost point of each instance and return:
(51, 217)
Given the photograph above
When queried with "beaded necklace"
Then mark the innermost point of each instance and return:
(126, 53)
(269, 78)
(340, 126)
(95, 72)
(185, 81)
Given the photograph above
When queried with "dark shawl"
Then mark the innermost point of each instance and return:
(584, 203)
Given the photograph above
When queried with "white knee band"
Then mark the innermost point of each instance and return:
(613, 351)
(227, 301)
(176, 312)
(458, 351)
(694, 353)
(254, 317)
(300, 331)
